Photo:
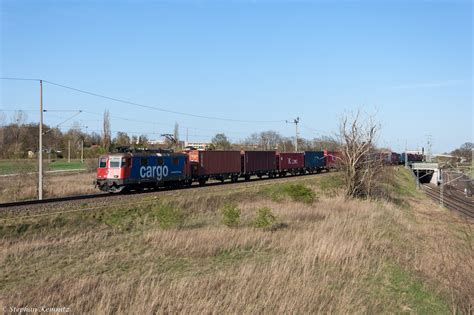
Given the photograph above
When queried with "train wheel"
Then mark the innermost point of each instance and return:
(202, 181)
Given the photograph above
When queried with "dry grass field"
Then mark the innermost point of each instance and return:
(24, 187)
(307, 251)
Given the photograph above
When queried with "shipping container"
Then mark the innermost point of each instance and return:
(215, 164)
(314, 160)
(290, 162)
(395, 158)
(332, 158)
(258, 162)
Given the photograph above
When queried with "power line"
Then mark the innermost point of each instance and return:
(157, 108)
(20, 79)
(115, 99)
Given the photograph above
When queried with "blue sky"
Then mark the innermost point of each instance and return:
(410, 62)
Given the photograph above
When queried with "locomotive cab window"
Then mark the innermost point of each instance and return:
(102, 162)
(114, 162)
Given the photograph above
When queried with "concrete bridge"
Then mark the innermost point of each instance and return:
(426, 172)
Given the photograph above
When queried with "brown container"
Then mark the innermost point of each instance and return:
(258, 162)
(289, 161)
(211, 163)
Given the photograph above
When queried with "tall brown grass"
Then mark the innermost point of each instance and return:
(25, 186)
(334, 256)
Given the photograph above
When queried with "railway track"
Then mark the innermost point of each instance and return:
(452, 200)
(210, 187)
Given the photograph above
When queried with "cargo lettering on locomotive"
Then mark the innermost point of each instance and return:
(154, 171)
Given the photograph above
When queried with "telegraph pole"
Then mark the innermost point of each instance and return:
(69, 151)
(82, 151)
(40, 146)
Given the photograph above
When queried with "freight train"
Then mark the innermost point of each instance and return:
(136, 170)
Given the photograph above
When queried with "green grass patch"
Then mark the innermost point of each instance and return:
(17, 166)
(398, 285)
(296, 192)
(31, 165)
(330, 184)
(163, 215)
(404, 184)
(64, 165)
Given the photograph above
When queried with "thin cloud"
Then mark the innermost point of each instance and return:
(428, 85)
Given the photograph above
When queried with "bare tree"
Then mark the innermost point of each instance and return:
(122, 139)
(221, 142)
(18, 121)
(106, 135)
(359, 159)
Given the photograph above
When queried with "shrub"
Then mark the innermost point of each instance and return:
(168, 216)
(297, 192)
(264, 218)
(230, 215)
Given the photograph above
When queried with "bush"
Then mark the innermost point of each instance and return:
(297, 192)
(168, 216)
(264, 218)
(230, 215)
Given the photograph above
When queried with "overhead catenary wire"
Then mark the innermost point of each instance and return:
(115, 99)
(68, 119)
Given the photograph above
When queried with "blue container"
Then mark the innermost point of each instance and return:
(314, 160)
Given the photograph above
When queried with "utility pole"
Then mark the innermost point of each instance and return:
(295, 121)
(429, 146)
(69, 151)
(40, 146)
(187, 134)
(82, 151)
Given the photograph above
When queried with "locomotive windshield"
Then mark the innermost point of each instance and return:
(102, 162)
(115, 162)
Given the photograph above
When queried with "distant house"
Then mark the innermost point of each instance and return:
(197, 145)
(156, 142)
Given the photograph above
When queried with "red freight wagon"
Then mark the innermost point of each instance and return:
(258, 163)
(332, 158)
(290, 162)
(214, 164)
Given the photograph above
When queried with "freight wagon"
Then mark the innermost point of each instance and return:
(395, 158)
(314, 161)
(219, 165)
(292, 163)
(258, 163)
(123, 171)
(412, 157)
